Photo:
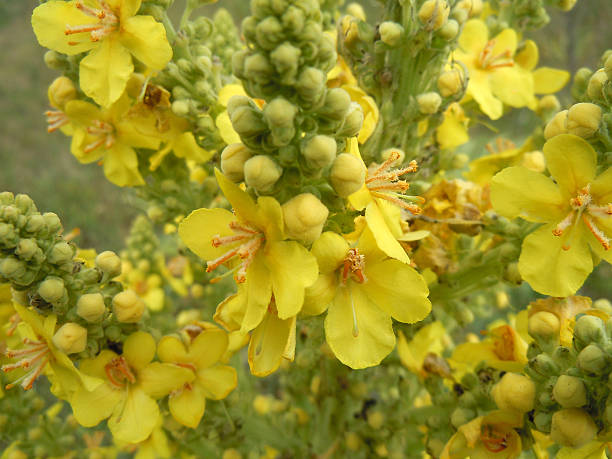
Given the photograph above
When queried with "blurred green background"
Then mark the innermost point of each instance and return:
(41, 165)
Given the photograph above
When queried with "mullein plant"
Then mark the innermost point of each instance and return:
(315, 271)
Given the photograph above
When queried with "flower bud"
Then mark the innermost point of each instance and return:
(12, 268)
(544, 325)
(262, 404)
(61, 253)
(352, 122)
(429, 102)
(581, 80)
(583, 119)
(434, 13)
(280, 113)
(311, 84)
(556, 126)
(592, 360)
(596, 83)
(461, 416)
(473, 7)
(258, 68)
(52, 289)
(390, 32)
(181, 107)
(109, 263)
(27, 248)
(320, 151)
(608, 66)
(514, 392)
(233, 158)
(590, 329)
(231, 454)
(549, 104)
(337, 103)
(603, 304)
(61, 91)
(128, 307)
(286, 59)
(450, 82)
(304, 217)
(534, 160)
(53, 222)
(449, 30)
(91, 307)
(570, 392)
(572, 427)
(544, 364)
(347, 174)
(246, 120)
(71, 338)
(355, 9)
(261, 172)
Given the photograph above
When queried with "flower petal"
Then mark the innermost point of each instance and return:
(139, 349)
(474, 36)
(185, 146)
(105, 71)
(187, 406)
(128, 8)
(268, 344)
(512, 86)
(134, 420)
(428, 339)
(241, 202)
(528, 57)
(226, 129)
(208, 347)
(479, 87)
(218, 381)
(146, 39)
(159, 379)
(382, 233)
(170, 349)
(505, 41)
(601, 187)
(521, 192)
(571, 160)
(199, 228)
(121, 166)
(330, 250)
(548, 80)
(228, 91)
(259, 293)
(89, 408)
(320, 294)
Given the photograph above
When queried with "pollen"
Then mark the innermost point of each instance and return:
(354, 265)
(33, 358)
(107, 22)
(488, 61)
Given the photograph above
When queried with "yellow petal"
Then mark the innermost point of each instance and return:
(480, 89)
(329, 250)
(571, 160)
(134, 420)
(146, 39)
(358, 332)
(187, 406)
(198, 229)
(226, 129)
(170, 349)
(505, 41)
(218, 381)
(271, 216)
(292, 269)
(228, 91)
(244, 207)
(105, 71)
(230, 311)
(512, 86)
(208, 347)
(82, 113)
(428, 339)
(529, 55)
(186, 147)
(601, 187)
(474, 36)
(397, 289)
(89, 408)
(49, 22)
(121, 166)
(548, 80)
(548, 268)
(452, 132)
(139, 349)
(159, 379)
(384, 238)
(521, 192)
(592, 450)
(320, 294)
(258, 291)
(268, 344)
(154, 299)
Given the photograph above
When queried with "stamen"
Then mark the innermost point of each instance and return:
(564, 224)
(354, 264)
(107, 22)
(119, 372)
(599, 234)
(14, 321)
(487, 61)
(35, 357)
(385, 184)
(55, 120)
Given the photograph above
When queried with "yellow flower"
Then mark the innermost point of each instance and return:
(201, 356)
(454, 129)
(576, 208)
(492, 436)
(430, 339)
(363, 289)
(251, 240)
(112, 32)
(382, 198)
(60, 92)
(132, 383)
(109, 135)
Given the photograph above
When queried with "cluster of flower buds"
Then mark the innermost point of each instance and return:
(224, 39)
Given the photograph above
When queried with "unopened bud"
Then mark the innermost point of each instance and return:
(583, 119)
(434, 13)
(280, 112)
(544, 325)
(461, 416)
(54, 60)
(12, 268)
(262, 404)
(608, 66)
(549, 104)
(337, 103)
(128, 307)
(304, 217)
(514, 392)
(352, 122)
(603, 304)
(534, 160)
(320, 151)
(429, 103)
(570, 392)
(596, 83)
(261, 172)
(181, 107)
(347, 174)
(566, 5)
(544, 364)
(572, 427)
(450, 82)
(109, 263)
(61, 91)
(311, 84)
(52, 289)
(71, 338)
(590, 329)
(355, 9)
(473, 7)
(61, 253)
(233, 158)
(91, 307)
(390, 33)
(592, 360)
(53, 222)
(27, 248)
(449, 30)
(556, 126)
(246, 120)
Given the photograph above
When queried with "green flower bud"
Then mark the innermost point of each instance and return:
(54, 60)
(35, 223)
(54, 224)
(581, 80)
(596, 83)
(572, 427)
(473, 7)
(268, 32)
(279, 113)
(556, 126)
(434, 13)
(566, 5)
(25, 203)
(570, 392)
(450, 82)
(181, 107)
(293, 19)
(347, 174)
(592, 360)
(261, 172)
(61, 91)
(12, 268)
(247, 121)
(449, 30)
(91, 307)
(304, 217)
(258, 68)
(61, 253)
(603, 304)
(27, 248)
(514, 392)
(549, 104)
(128, 307)
(544, 325)
(390, 33)
(109, 263)
(6, 198)
(311, 84)
(543, 421)
(10, 213)
(429, 102)
(544, 365)
(352, 122)
(52, 289)
(355, 9)
(70, 338)
(337, 103)
(233, 158)
(286, 59)
(590, 329)
(320, 151)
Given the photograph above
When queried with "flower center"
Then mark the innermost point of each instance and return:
(249, 239)
(384, 183)
(55, 120)
(488, 61)
(354, 264)
(503, 343)
(103, 134)
(107, 22)
(119, 372)
(583, 208)
(34, 358)
(493, 439)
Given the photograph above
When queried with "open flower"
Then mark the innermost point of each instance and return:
(251, 241)
(363, 289)
(428, 341)
(577, 212)
(112, 32)
(201, 356)
(132, 383)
